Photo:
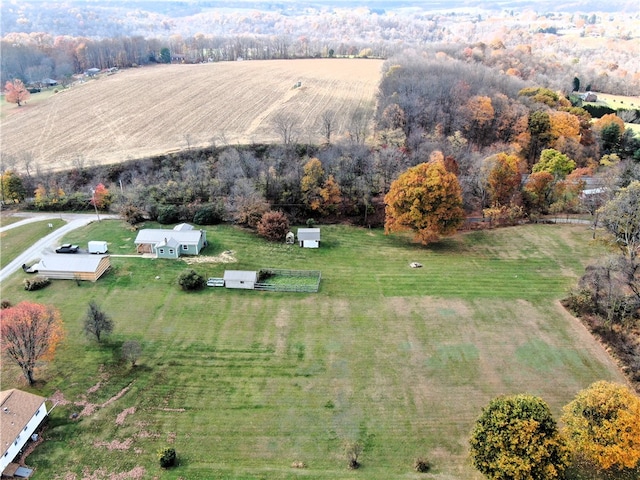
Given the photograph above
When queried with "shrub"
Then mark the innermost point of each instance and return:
(353, 451)
(273, 226)
(5, 304)
(209, 214)
(167, 457)
(580, 302)
(421, 465)
(35, 283)
(168, 214)
(132, 214)
(131, 351)
(191, 280)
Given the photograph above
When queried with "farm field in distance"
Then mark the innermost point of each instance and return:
(244, 383)
(141, 112)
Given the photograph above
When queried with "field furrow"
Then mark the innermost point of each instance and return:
(153, 110)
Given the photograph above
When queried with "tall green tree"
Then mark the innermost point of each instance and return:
(426, 199)
(165, 55)
(556, 163)
(540, 134)
(516, 437)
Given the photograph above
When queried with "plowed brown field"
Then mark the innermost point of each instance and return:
(153, 110)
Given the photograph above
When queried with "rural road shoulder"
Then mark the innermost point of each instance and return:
(47, 243)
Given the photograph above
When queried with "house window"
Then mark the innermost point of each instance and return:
(6, 453)
(185, 247)
(171, 251)
(25, 428)
(161, 251)
(38, 412)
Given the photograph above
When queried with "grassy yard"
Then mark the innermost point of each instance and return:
(244, 383)
(14, 240)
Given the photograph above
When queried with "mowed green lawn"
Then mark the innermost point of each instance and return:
(242, 384)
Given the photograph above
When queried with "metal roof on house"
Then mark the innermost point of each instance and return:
(308, 234)
(158, 235)
(183, 227)
(16, 409)
(240, 275)
(70, 262)
(169, 242)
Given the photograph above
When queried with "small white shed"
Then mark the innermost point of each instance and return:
(245, 279)
(309, 237)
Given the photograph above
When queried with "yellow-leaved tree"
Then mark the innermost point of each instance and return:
(426, 199)
(602, 426)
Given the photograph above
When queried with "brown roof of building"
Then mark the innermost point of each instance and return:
(16, 409)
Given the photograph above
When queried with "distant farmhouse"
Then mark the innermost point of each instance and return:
(21, 413)
(182, 239)
(309, 237)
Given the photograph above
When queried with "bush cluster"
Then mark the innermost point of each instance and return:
(35, 283)
(167, 457)
(191, 280)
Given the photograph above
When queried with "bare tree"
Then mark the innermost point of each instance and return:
(327, 125)
(97, 322)
(359, 126)
(131, 351)
(286, 126)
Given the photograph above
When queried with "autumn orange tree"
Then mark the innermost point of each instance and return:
(426, 199)
(331, 195)
(504, 178)
(16, 92)
(311, 183)
(30, 333)
(602, 426)
(538, 191)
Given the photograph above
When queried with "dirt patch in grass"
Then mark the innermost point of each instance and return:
(228, 256)
(89, 408)
(122, 415)
(136, 473)
(115, 444)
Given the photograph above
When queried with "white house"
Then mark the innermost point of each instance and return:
(182, 239)
(21, 413)
(240, 279)
(309, 237)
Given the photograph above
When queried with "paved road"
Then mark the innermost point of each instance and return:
(49, 242)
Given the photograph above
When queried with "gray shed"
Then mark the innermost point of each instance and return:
(245, 279)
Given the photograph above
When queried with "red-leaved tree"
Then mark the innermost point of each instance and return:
(29, 332)
(16, 92)
(101, 197)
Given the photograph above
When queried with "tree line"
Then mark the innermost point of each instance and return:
(517, 151)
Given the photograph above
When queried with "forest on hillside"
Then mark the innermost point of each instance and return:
(546, 45)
